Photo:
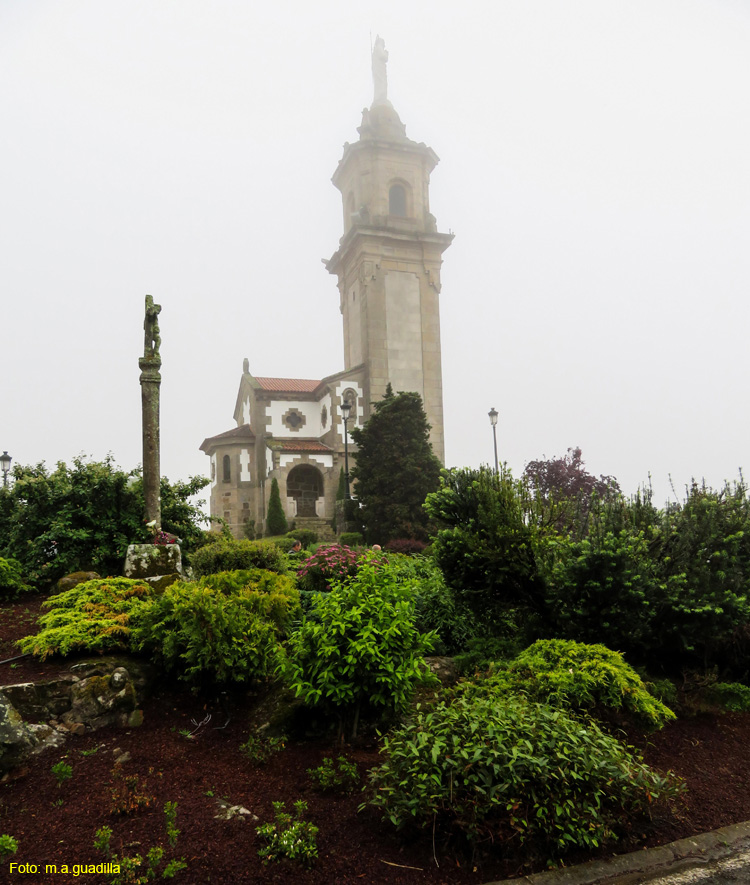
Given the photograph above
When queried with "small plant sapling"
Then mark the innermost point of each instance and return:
(341, 776)
(8, 845)
(289, 837)
(63, 772)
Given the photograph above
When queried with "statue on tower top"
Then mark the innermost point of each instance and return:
(379, 73)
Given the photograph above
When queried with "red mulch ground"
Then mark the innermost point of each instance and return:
(56, 825)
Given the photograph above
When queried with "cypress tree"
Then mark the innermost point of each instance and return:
(276, 521)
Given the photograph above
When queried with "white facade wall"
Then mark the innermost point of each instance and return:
(276, 409)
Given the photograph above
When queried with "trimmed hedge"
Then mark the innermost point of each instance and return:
(230, 555)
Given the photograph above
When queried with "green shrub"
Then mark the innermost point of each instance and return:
(581, 676)
(485, 546)
(437, 607)
(351, 539)
(289, 837)
(341, 776)
(82, 517)
(94, 616)
(11, 580)
(503, 767)
(483, 651)
(276, 520)
(360, 645)
(274, 597)
(663, 690)
(230, 555)
(306, 537)
(205, 635)
(732, 696)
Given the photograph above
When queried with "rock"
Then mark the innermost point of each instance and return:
(77, 728)
(149, 561)
(231, 812)
(40, 700)
(444, 668)
(16, 741)
(74, 579)
(135, 719)
(47, 738)
(122, 758)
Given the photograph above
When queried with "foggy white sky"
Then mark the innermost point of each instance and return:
(595, 168)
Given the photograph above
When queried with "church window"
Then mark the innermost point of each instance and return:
(294, 419)
(324, 417)
(397, 200)
(227, 468)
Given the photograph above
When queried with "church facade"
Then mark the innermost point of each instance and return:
(387, 267)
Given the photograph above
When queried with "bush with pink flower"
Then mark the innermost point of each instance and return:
(332, 562)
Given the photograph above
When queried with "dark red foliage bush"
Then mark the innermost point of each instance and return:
(409, 546)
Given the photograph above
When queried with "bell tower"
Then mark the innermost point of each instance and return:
(389, 258)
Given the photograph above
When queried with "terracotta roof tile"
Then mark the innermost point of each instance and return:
(301, 445)
(288, 385)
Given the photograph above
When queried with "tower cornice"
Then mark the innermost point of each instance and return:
(359, 237)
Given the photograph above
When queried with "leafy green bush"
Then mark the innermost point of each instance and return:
(94, 616)
(306, 537)
(482, 652)
(581, 676)
(733, 696)
(438, 609)
(289, 837)
(486, 545)
(83, 517)
(351, 539)
(329, 563)
(360, 645)
(663, 690)
(500, 766)
(229, 555)
(205, 635)
(274, 596)
(11, 580)
(670, 588)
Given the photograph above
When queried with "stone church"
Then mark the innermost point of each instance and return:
(388, 270)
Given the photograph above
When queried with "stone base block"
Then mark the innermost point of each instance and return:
(151, 562)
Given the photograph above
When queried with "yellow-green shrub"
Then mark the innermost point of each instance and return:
(91, 617)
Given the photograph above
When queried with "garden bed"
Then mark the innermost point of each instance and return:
(56, 824)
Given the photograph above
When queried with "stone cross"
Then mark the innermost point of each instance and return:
(150, 363)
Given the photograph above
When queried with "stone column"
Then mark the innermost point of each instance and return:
(150, 363)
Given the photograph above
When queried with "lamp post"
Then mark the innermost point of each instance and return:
(493, 421)
(5, 460)
(346, 407)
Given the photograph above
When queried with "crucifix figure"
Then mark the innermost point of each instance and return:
(379, 73)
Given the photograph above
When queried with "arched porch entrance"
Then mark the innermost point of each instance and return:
(305, 485)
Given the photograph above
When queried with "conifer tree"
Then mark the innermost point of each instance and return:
(276, 521)
(396, 468)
